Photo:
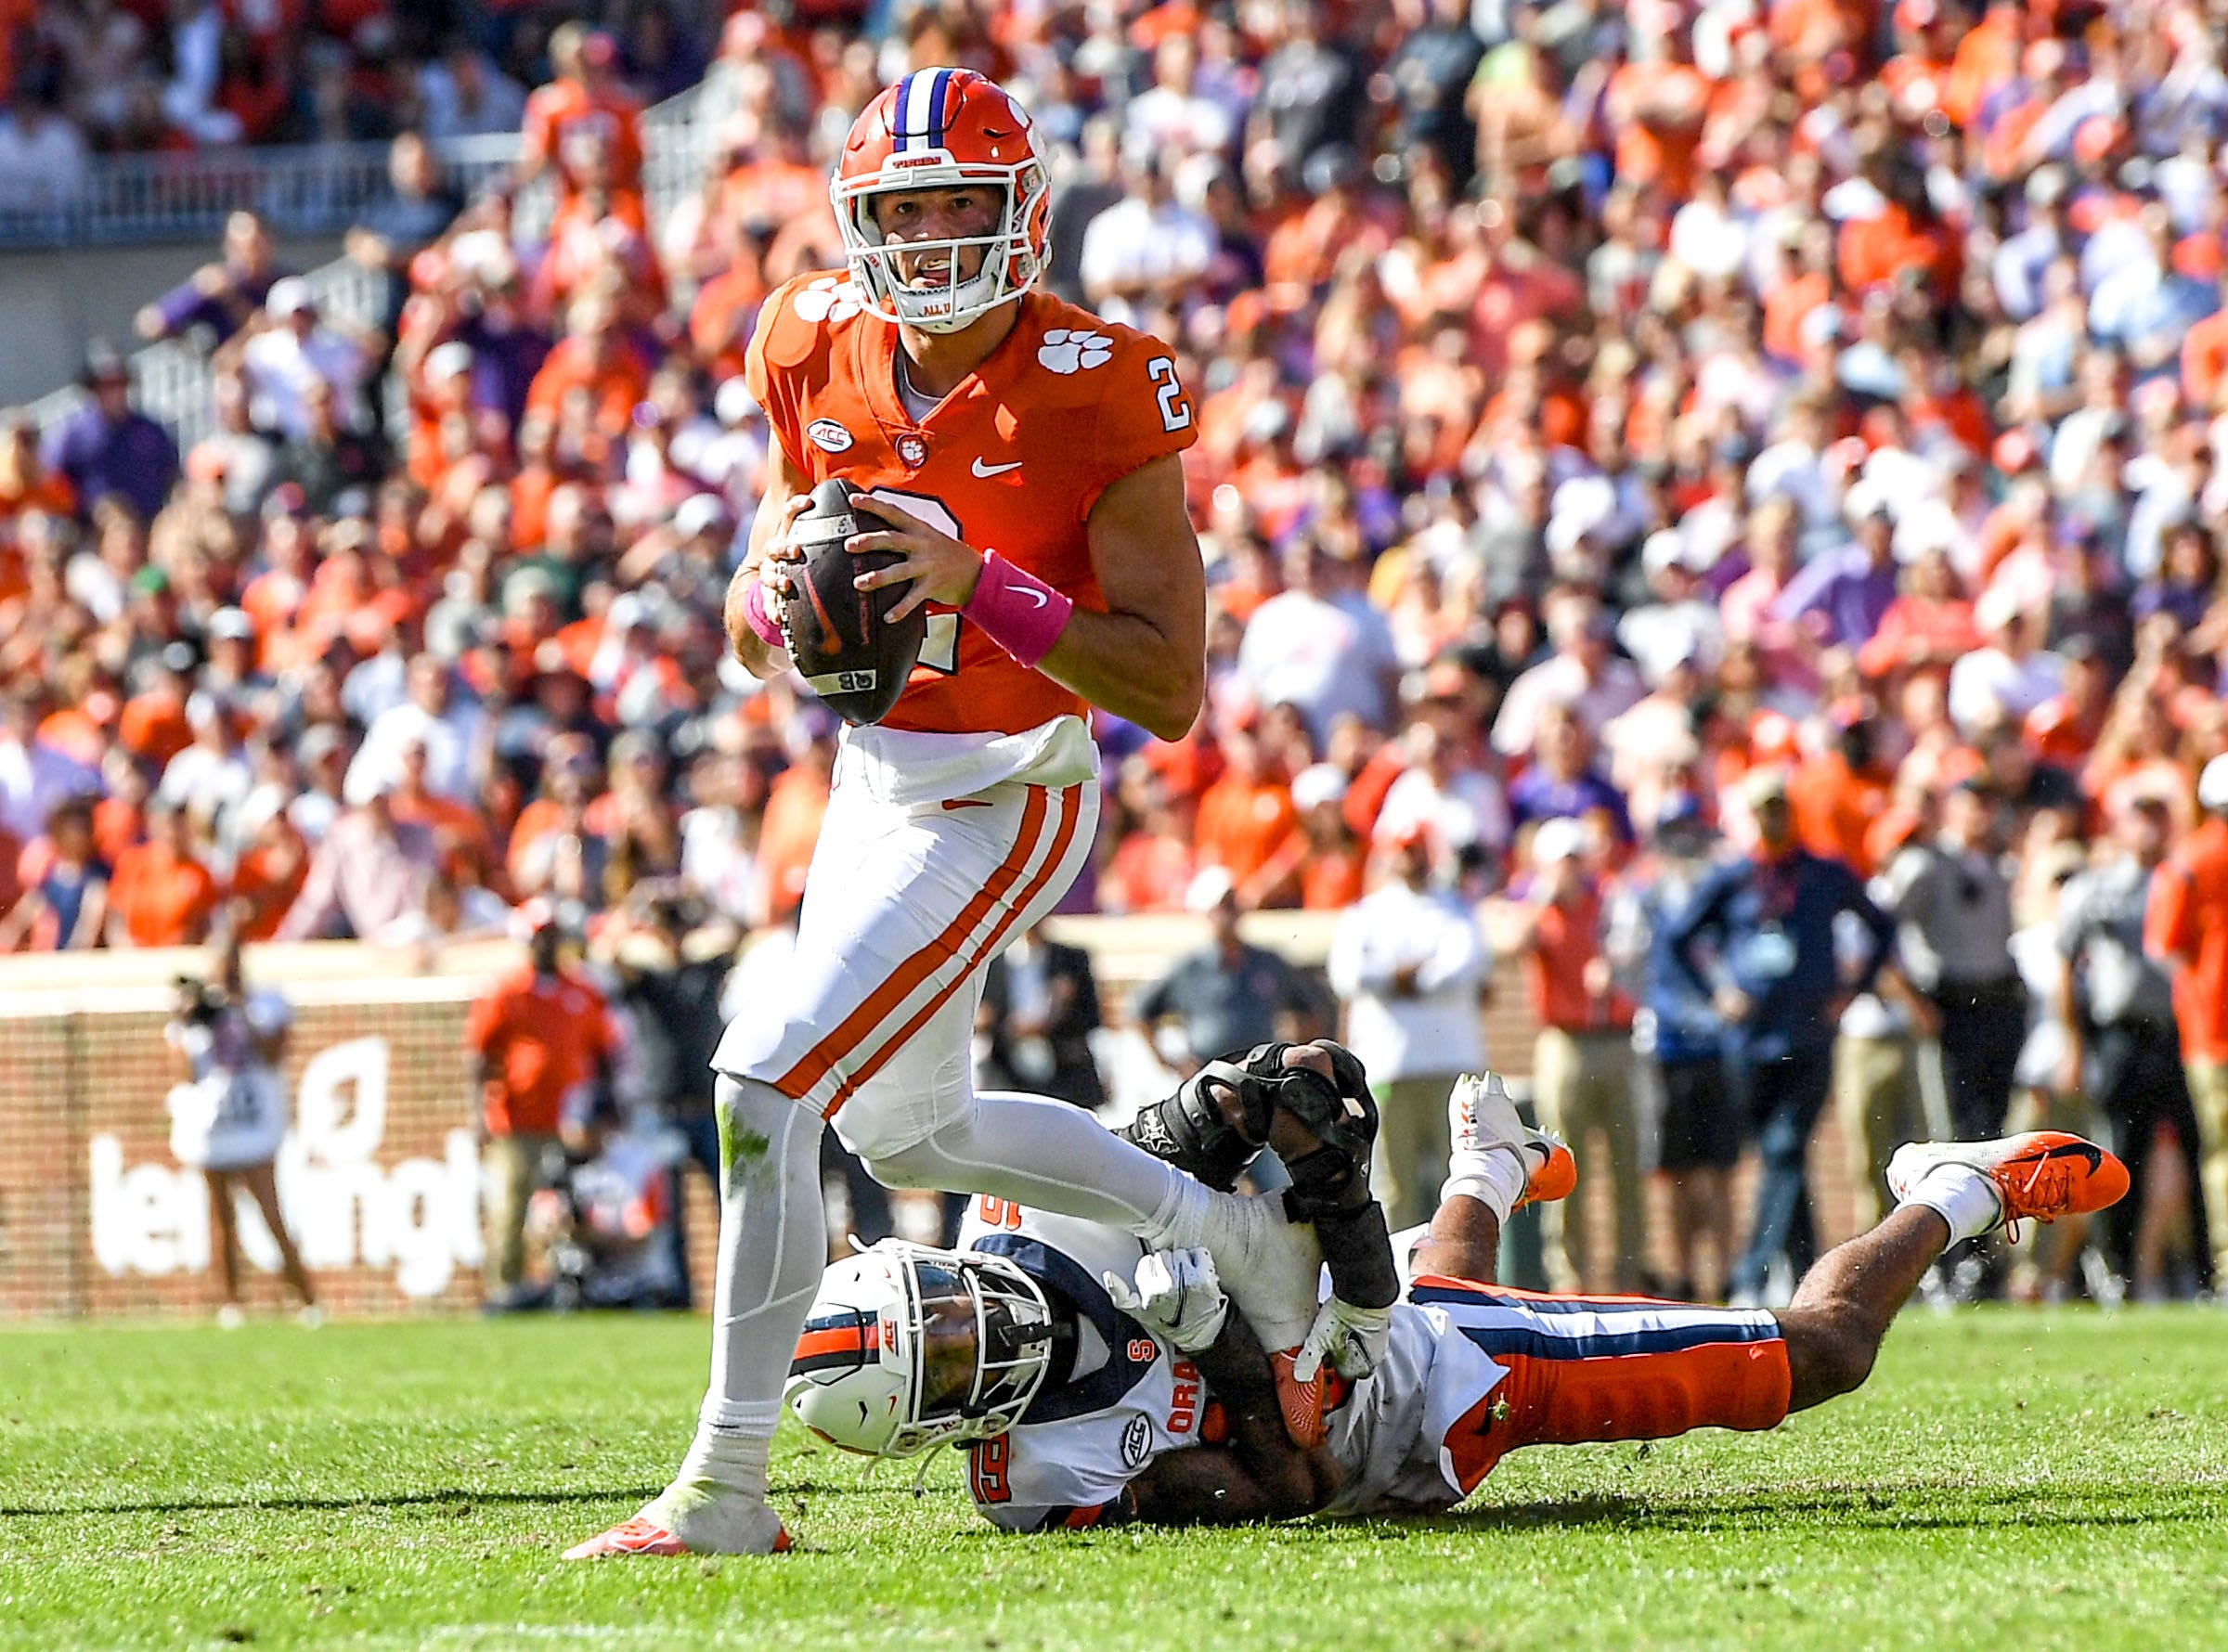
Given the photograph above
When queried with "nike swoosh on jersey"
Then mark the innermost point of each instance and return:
(983, 469)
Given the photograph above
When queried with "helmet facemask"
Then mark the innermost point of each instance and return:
(1009, 261)
(946, 1347)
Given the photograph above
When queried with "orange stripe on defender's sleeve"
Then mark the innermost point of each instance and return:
(885, 998)
(880, 1058)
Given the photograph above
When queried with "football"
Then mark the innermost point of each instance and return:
(840, 638)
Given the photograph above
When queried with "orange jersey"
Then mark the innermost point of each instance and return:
(1013, 461)
(567, 112)
(541, 1036)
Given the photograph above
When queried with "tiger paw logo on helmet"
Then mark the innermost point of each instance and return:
(828, 298)
(1067, 352)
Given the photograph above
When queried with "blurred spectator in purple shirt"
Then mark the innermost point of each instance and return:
(1561, 782)
(220, 296)
(1839, 596)
(106, 448)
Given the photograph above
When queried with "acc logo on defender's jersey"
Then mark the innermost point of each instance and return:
(1070, 352)
(1137, 1439)
(829, 299)
(828, 436)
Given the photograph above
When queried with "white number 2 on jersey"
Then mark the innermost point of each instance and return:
(939, 648)
(1175, 412)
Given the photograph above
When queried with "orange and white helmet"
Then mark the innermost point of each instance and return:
(942, 129)
(906, 1348)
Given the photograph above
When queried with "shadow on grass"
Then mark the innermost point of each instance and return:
(1906, 1509)
(205, 1506)
(446, 1498)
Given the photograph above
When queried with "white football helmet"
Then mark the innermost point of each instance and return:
(908, 1347)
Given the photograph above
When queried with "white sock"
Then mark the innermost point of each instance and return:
(1495, 1178)
(1181, 1219)
(731, 1445)
(772, 1244)
(1962, 1197)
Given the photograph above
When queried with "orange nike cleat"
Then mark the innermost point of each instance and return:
(1306, 1405)
(2039, 1176)
(642, 1535)
(1554, 1172)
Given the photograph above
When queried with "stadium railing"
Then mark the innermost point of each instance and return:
(171, 379)
(300, 189)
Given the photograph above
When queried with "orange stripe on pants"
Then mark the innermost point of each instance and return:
(821, 1058)
(874, 1063)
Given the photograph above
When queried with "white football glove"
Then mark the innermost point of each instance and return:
(1177, 1293)
(1353, 1340)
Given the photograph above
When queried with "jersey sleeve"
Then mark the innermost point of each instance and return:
(774, 345)
(1146, 414)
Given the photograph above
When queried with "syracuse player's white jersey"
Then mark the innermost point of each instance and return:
(1129, 1397)
(1134, 1397)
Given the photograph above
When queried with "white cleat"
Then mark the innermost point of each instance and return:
(1481, 1116)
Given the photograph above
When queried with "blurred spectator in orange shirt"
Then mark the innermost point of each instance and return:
(1838, 794)
(582, 104)
(596, 358)
(795, 806)
(1321, 863)
(161, 895)
(2185, 927)
(1243, 818)
(544, 1043)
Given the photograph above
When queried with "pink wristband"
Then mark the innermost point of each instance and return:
(1017, 610)
(753, 610)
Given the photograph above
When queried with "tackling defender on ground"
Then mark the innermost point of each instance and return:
(1093, 1383)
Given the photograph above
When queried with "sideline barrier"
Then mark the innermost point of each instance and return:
(379, 1173)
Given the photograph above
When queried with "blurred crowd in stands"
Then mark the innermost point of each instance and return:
(80, 78)
(1633, 438)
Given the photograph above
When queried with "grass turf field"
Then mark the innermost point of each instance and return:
(2019, 1479)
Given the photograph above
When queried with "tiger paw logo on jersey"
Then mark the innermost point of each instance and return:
(912, 452)
(1072, 352)
(831, 298)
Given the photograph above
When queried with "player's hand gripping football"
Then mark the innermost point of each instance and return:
(783, 555)
(941, 569)
(1177, 1293)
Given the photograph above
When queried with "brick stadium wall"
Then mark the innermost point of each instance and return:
(378, 1175)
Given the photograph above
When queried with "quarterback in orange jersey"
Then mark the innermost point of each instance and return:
(1022, 456)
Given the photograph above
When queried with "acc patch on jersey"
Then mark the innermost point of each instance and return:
(839, 637)
(1137, 1439)
(828, 436)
